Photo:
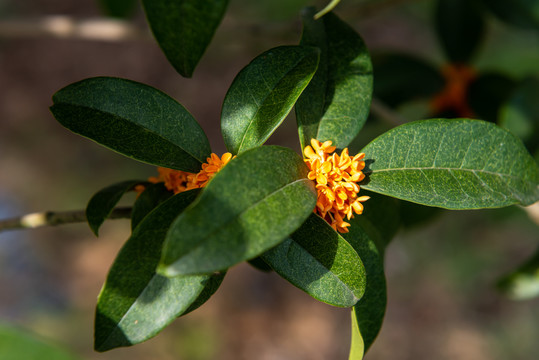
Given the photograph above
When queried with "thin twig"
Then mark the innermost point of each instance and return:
(61, 26)
(51, 218)
(385, 113)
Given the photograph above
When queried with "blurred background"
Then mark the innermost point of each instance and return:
(441, 268)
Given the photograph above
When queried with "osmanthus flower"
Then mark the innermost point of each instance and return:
(178, 181)
(337, 178)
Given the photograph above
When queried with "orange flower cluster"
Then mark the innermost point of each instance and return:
(454, 96)
(178, 181)
(336, 180)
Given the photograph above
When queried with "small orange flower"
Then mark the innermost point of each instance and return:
(336, 178)
(178, 181)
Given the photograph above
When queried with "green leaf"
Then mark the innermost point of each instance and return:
(149, 199)
(521, 13)
(368, 313)
(135, 302)
(336, 103)
(133, 119)
(17, 344)
(211, 286)
(263, 93)
(453, 164)
(317, 260)
(103, 202)
(184, 28)
(357, 347)
(118, 8)
(460, 25)
(523, 283)
(251, 205)
(260, 264)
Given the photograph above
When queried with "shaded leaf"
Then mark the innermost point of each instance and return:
(135, 302)
(523, 283)
(336, 103)
(184, 28)
(317, 260)
(263, 93)
(103, 202)
(211, 286)
(521, 13)
(453, 164)
(260, 264)
(17, 344)
(488, 93)
(520, 114)
(368, 313)
(413, 215)
(118, 8)
(250, 206)
(133, 119)
(460, 25)
(149, 199)
(399, 78)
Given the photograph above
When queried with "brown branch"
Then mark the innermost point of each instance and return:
(51, 218)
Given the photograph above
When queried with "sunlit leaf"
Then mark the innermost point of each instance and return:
(135, 302)
(251, 205)
(133, 119)
(320, 262)
(454, 164)
(263, 93)
(184, 28)
(336, 103)
(103, 202)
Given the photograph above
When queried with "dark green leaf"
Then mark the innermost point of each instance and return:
(413, 215)
(184, 28)
(381, 218)
(487, 93)
(370, 310)
(336, 103)
(399, 78)
(320, 262)
(453, 164)
(133, 119)
(149, 199)
(523, 283)
(16, 344)
(119, 8)
(460, 25)
(103, 202)
(263, 93)
(260, 264)
(135, 302)
(251, 205)
(520, 114)
(521, 13)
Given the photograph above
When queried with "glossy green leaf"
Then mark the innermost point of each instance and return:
(521, 13)
(520, 114)
(103, 202)
(453, 164)
(523, 283)
(184, 28)
(460, 25)
(211, 286)
(368, 313)
(133, 119)
(251, 205)
(336, 103)
(119, 8)
(135, 302)
(317, 260)
(399, 78)
(263, 93)
(149, 199)
(17, 344)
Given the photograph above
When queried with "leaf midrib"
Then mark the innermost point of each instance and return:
(234, 218)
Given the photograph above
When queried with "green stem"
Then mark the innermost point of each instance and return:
(52, 218)
(327, 9)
